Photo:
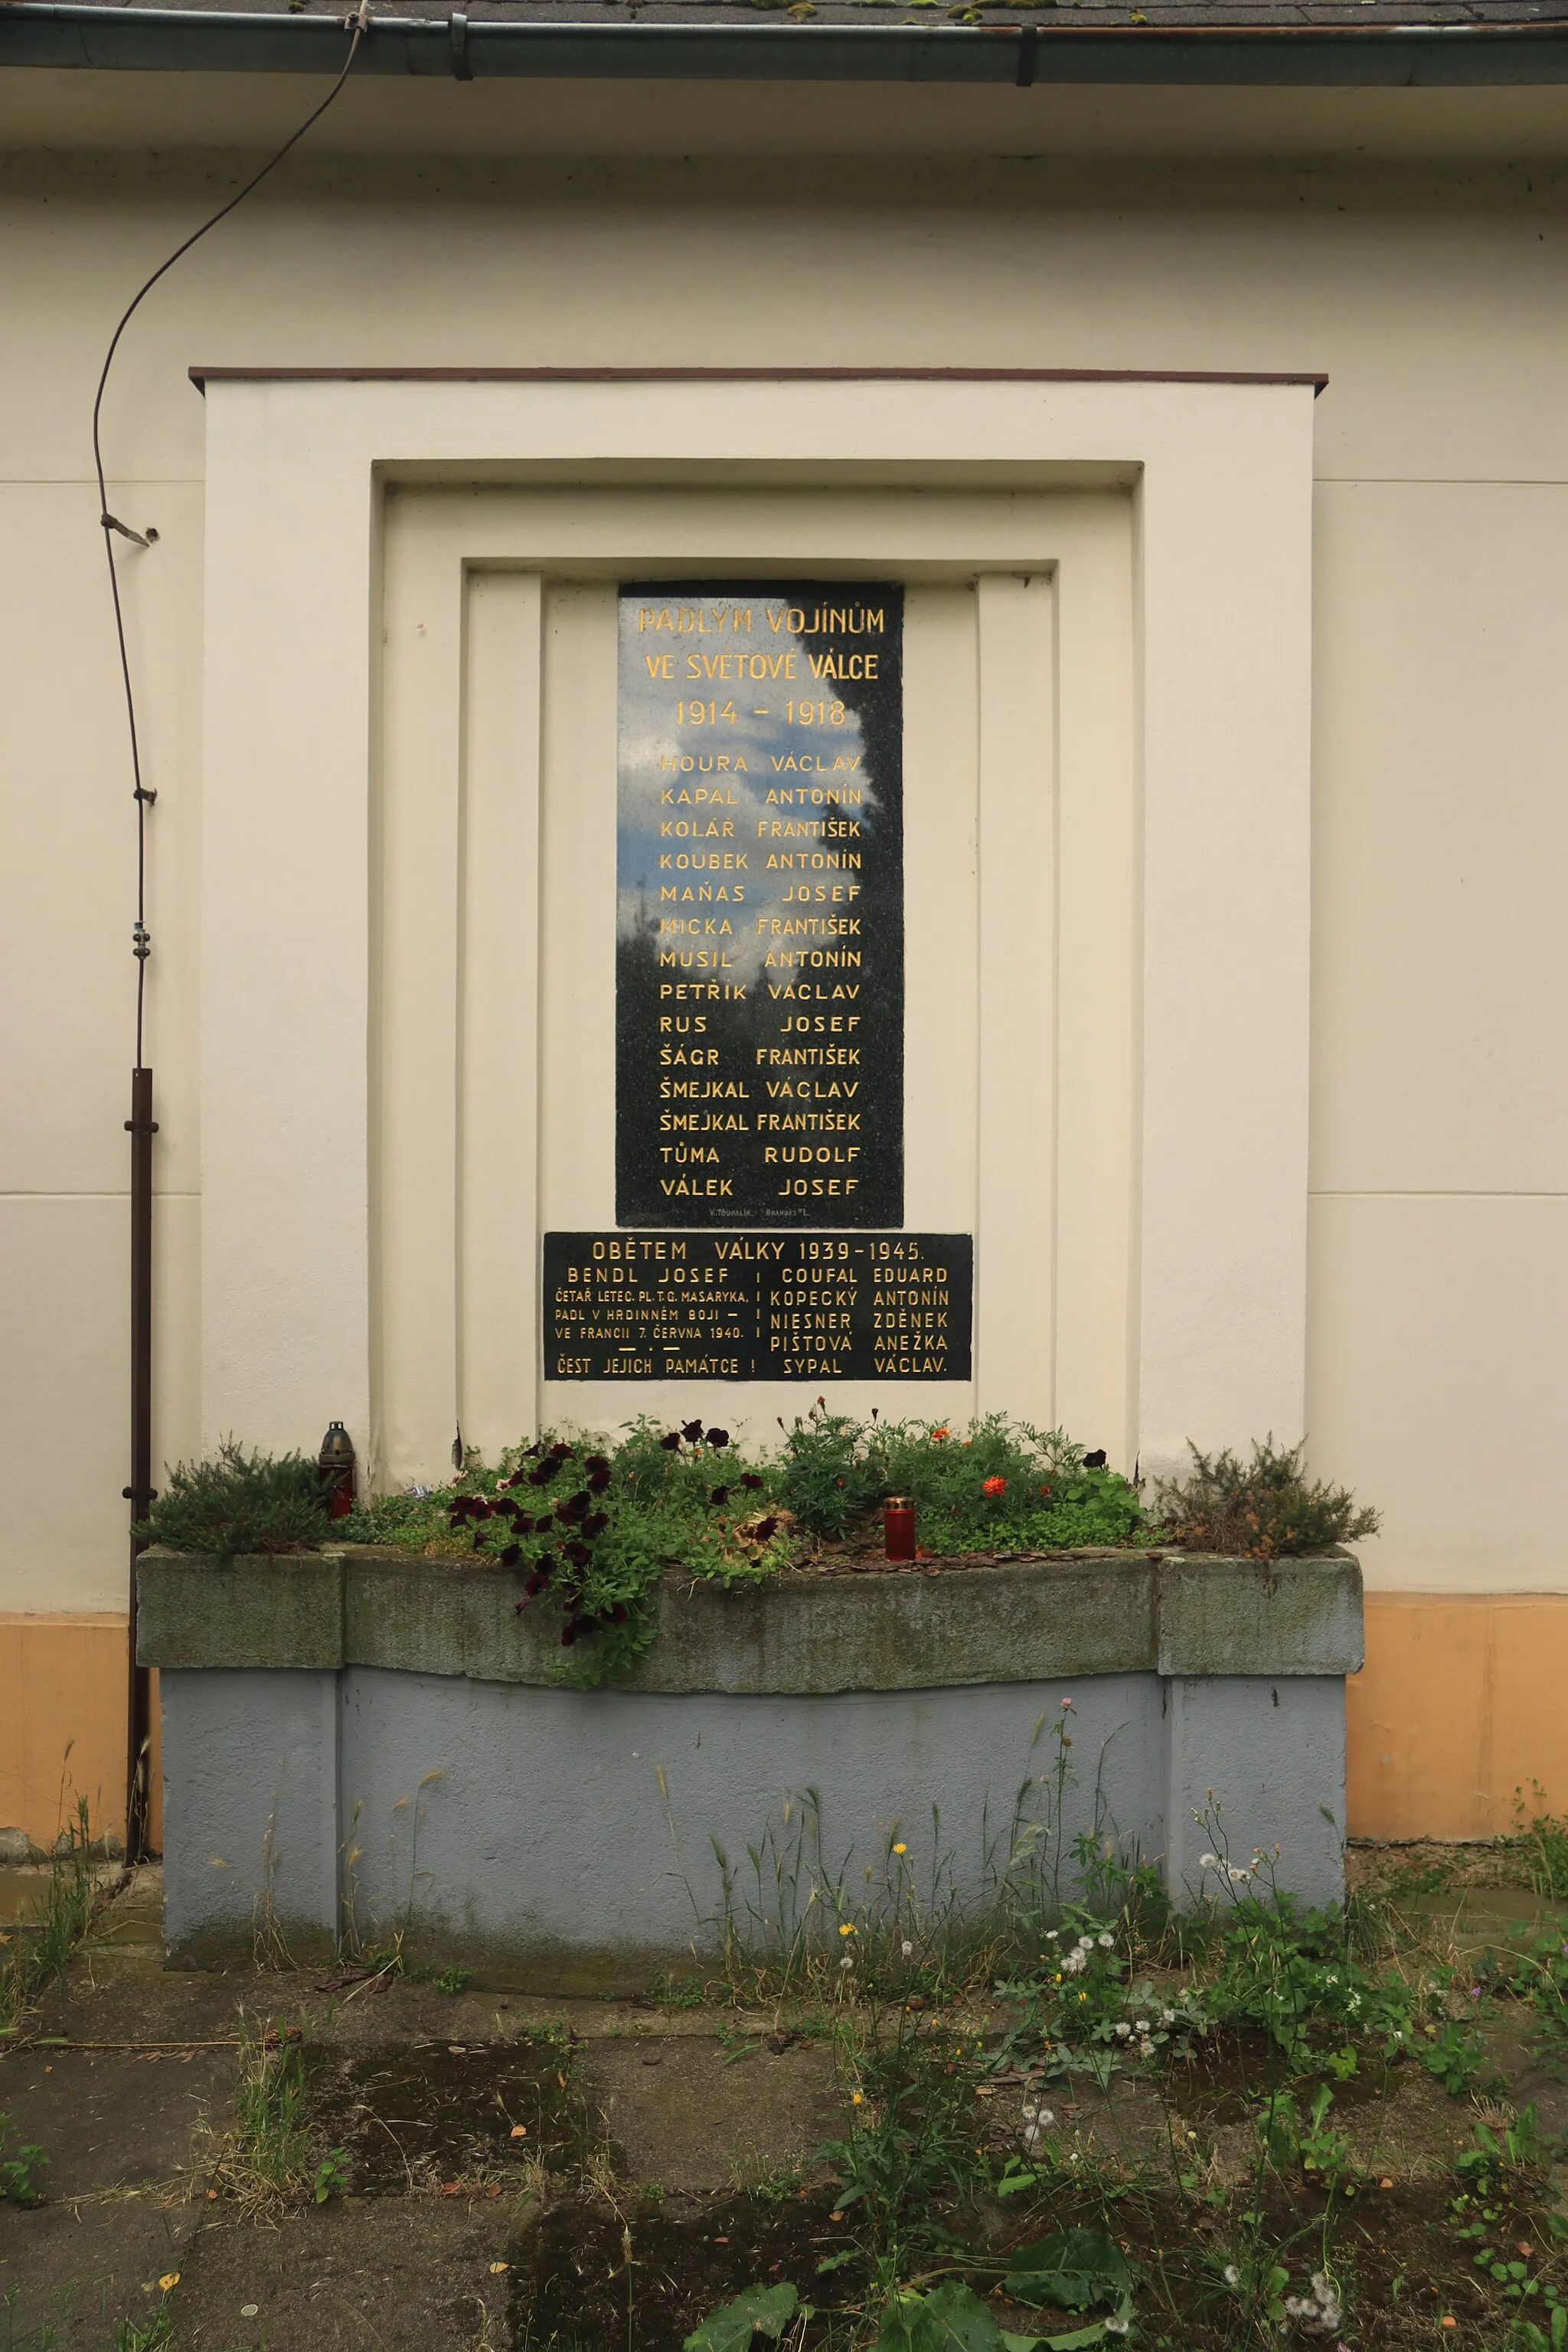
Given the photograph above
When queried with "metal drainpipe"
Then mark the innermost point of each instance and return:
(142, 1128)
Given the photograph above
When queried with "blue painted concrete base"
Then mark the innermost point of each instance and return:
(573, 1839)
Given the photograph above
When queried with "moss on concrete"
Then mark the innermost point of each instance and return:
(1018, 1622)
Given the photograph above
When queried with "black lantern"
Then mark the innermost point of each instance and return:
(336, 1465)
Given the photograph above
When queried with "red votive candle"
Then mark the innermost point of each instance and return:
(898, 1527)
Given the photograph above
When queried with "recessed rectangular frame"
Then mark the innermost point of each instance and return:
(1219, 476)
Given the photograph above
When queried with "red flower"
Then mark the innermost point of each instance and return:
(937, 1436)
(995, 1486)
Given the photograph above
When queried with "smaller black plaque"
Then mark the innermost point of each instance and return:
(758, 1306)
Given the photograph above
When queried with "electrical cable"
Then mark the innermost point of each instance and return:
(141, 1126)
(358, 24)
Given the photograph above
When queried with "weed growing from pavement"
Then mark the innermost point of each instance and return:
(19, 2160)
(265, 2163)
(35, 1952)
(1545, 1838)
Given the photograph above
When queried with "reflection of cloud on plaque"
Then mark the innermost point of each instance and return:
(723, 774)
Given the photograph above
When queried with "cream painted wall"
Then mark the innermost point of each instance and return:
(1435, 301)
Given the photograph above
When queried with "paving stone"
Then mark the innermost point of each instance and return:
(359, 2275)
(69, 2274)
(695, 2118)
(108, 2121)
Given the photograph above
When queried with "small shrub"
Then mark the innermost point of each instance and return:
(237, 1502)
(1267, 1508)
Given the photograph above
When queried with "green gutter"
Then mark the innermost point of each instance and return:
(181, 40)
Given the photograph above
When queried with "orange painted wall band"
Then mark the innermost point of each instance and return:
(62, 1726)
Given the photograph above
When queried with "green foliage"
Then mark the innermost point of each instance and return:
(454, 1981)
(836, 1472)
(129, 2337)
(39, 1952)
(1553, 2337)
(239, 1503)
(17, 2171)
(271, 2115)
(912, 2139)
(1074, 2269)
(759, 2311)
(952, 2318)
(683, 1992)
(1267, 1508)
(1086, 2015)
(1545, 1839)
(1292, 2141)
(331, 2175)
(1452, 2051)
(1512, 2148)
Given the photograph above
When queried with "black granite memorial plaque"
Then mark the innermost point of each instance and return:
(757, 1306)
(760, 919)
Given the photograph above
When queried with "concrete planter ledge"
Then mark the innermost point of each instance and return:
(359, 1734)
(1082, 1613)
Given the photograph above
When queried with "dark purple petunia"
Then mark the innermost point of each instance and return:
(559, 1449)
(512, 1555)
(618, 1613)
(1095, 1460)
(718, 1437)
(595, 1524)
(766, 1527)
(692, 1433)
(568, 1635)
(596, 1462)
(576, 1506)
(537, 1581)
(750, 1480)
(598, 1480)
(718, 1494)
(577, 1553)
(671, 1441)
(545, 1471)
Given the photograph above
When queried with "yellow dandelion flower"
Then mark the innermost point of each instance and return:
(856, 2098)
(900, 1847)
(848, 1929)
(170, 2278)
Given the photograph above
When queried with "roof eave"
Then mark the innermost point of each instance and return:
(57, 33)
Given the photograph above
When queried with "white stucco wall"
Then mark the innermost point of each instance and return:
(1433, 297)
